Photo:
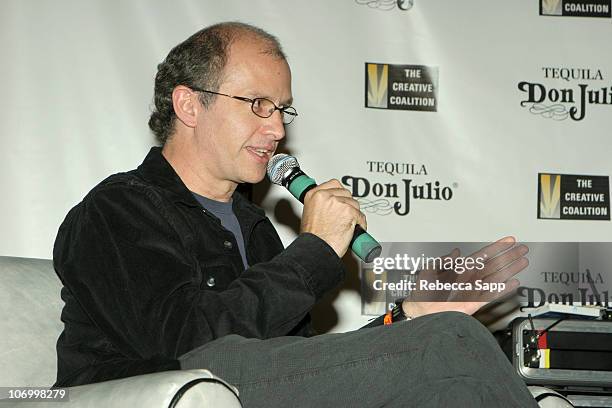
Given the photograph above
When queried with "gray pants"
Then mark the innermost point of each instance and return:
(441, 360)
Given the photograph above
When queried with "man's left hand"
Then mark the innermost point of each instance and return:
(503, 260)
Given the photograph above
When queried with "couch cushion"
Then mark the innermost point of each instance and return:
(30, 323)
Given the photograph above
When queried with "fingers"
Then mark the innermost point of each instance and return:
(500, 262)
(453, 254)
(361, 220)
(331, 184)
(349, 201)
(333, 190)
(358, 216)
(492, 250)
(327, 189)
(327, 193)
(508, 271)
(498, 256)
(505, 276)
(502, 268)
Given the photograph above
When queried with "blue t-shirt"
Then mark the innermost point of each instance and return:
(224, 212)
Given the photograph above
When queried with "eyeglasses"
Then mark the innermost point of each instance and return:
(262, 107)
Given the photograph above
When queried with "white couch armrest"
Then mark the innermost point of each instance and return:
(168, 389)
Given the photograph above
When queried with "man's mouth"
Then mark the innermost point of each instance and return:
(261, 152)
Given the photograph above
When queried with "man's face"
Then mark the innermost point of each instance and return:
(234, 143)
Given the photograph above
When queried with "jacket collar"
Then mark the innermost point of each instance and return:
(156, 170)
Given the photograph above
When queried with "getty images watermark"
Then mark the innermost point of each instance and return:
(530, 273)
(412, 265)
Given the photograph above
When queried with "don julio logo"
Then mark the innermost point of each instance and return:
(558, 102)
(572, 197)
(384, 198)
(401, 87)
(387, 5)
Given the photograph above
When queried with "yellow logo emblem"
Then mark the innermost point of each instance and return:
(377, 86)
(550, 194)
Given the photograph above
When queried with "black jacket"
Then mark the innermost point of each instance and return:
(149, 275)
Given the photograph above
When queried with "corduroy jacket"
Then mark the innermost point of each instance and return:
(148, 275)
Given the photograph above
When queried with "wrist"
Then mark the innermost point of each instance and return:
(396, 314)
(412, 309)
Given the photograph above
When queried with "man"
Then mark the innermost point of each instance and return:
(167, 267)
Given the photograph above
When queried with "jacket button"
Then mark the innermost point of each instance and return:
(228, 245)
(211, 282)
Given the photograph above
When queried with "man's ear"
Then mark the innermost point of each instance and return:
(186, 105)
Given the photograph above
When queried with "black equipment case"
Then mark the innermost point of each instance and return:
(571, 356)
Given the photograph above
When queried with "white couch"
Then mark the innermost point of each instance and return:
(30, 306)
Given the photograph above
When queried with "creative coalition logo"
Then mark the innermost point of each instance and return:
(572, 197)
(576, 8)
(559, 102)
(395, 197)
(401, 87)
(387, 5)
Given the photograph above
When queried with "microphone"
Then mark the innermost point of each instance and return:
(284, 170)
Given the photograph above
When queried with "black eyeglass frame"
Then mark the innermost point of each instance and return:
(288, 110)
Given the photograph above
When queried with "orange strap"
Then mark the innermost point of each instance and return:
(388, 318)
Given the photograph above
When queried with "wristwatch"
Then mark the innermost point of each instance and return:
(396, 314)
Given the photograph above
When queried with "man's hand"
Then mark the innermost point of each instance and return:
(503, 261)
(331, 213)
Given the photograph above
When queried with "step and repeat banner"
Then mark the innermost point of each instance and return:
(448, 121)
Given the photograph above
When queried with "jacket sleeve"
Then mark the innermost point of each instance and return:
(129, 271)
(379, 321)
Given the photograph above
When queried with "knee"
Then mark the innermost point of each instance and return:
(452, 318)
(458, 323)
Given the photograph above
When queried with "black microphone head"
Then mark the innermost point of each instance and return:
(279, 167)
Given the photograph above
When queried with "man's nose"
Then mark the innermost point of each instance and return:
(276, 126)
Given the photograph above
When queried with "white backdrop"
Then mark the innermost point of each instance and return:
(77, 83)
